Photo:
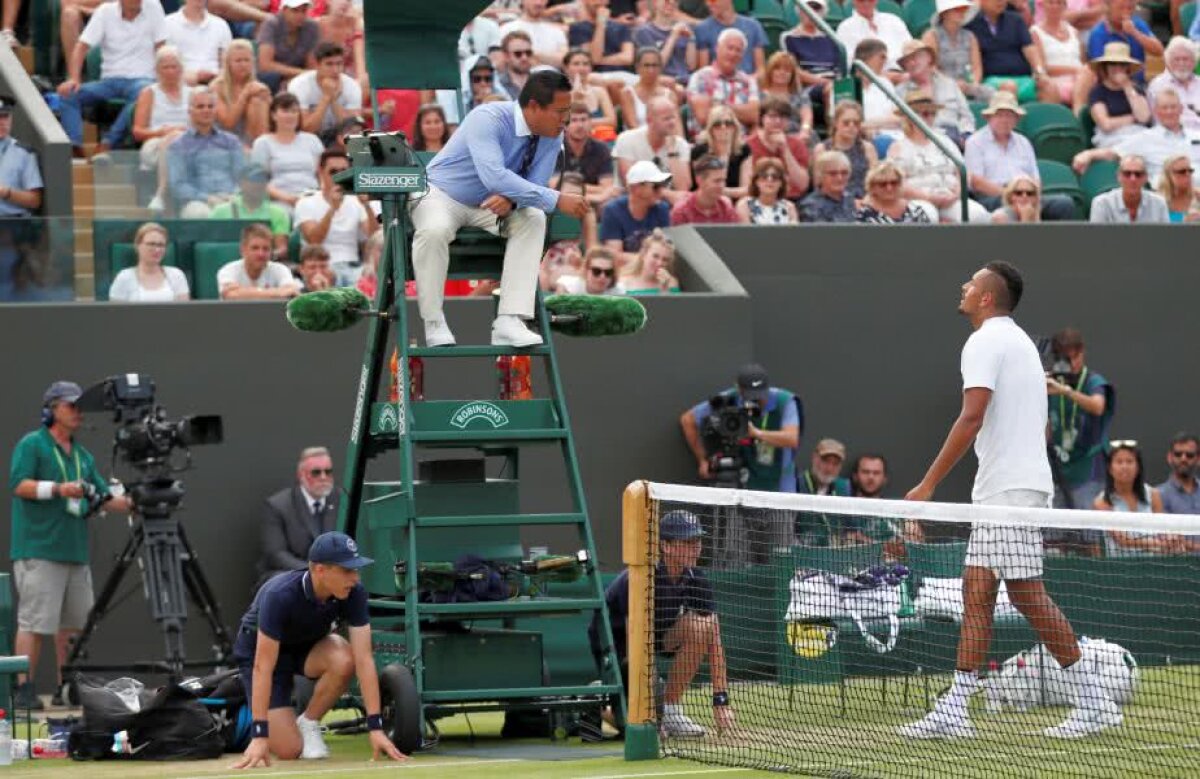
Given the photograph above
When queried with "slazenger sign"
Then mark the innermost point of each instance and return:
(479, 409)
(390, 181)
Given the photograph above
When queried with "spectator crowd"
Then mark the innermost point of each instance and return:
(683, 112)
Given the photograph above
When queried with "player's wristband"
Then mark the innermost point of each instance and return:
(720, 699)
(258, 728)
(374, 722)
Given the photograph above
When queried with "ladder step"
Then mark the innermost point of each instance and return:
(447, 696)
(468, 438)
(502, 520)
(476, 351)
(496, 609)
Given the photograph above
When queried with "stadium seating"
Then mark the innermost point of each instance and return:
(112, 246)
(884, 6)
(1059, 179)
(207, 259)
(1187, 14)
(1053, 130)
(1087, 124)
(1100, 177)
(917, 15)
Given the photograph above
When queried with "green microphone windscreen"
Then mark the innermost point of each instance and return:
(327, 310)
(595, 315)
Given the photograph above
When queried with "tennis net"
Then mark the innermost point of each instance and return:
(845, 653)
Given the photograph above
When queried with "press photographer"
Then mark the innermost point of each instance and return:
(746, 437)
(57, 488)
(1082, 403)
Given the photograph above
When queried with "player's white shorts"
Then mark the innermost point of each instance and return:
(1011, 552)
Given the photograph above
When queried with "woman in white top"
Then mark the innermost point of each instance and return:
(578, 67)
(653, 272)
(160, 114)
(149, 281)
(647, 63)
(288, 153)
(1061, 50)
(1125, 490)
(929, 175)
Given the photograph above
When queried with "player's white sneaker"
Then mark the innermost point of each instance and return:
(938, 724)
(314, 742)
(679, 725)
(1087, 720)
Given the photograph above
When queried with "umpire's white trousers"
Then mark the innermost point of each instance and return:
(437, 218)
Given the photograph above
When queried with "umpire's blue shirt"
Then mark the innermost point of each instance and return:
(287, 610)
(483, 155)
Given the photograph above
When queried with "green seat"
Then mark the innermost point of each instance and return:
(887, 7)
(944, 560)
(774, 27)
(1100, 177)
(837, 13)
(917, 16)
(295, 244)
(208, 259)
(1059, 179)
(1187, 14)
(1086, 123)
(1053, 130)
(977, 111)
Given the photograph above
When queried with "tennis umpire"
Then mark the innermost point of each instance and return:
(685, 624)
(288, 630)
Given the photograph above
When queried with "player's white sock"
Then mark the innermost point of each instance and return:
(1089, 690)
(954, 702)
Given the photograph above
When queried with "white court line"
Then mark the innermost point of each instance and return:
(669, 773)
(392, 766)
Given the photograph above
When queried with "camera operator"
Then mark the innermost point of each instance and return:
(55, 486)
(762, 455)
(1082, 403)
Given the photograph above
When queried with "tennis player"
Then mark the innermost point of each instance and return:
(1004, 412)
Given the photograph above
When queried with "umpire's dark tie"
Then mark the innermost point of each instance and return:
(530, 153)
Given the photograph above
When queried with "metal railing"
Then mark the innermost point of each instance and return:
(859, 67)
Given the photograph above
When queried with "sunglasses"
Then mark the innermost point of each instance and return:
(521, 53)
(1185, 455)
(889, 183)
(1025, 192)
(1183, 172)
(723, 123)
(601, 271)
(154, 244)
(1133, 174)
(318, 472)
(1124, 443)
(481, 79)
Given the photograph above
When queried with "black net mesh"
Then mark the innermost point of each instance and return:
(844, 640)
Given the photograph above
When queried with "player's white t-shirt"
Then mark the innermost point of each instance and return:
(1011, 445)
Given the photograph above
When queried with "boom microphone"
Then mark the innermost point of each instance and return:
(328, 310)
(595, 315)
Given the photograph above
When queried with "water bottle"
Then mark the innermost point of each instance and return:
(6, 741)
(416, 375)
(394, 366)
(515, 380)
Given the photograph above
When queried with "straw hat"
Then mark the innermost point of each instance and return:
(917, 97)
(914, 45)
(1116, 52)
(1003, 101)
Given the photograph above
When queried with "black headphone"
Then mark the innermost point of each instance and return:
(47, 414)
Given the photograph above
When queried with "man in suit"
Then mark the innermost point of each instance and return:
(295, 516)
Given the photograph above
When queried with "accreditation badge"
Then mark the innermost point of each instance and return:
(75, 507)
(765, 453)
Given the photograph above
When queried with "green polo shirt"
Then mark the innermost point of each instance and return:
(42, 529)
(271, 213)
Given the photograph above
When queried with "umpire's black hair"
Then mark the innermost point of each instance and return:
(542, 86)
(1008, 297)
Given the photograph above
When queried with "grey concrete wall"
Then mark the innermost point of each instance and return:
(863, 324)
(280, 390)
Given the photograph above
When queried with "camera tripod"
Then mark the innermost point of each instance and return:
(169, 565)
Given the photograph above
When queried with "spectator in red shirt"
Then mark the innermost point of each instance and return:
(771, 140)
(707, 204)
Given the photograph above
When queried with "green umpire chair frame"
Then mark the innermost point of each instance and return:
(430, 666)
(11, 665)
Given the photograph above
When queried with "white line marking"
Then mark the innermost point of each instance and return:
(357, 769)
(669, 773)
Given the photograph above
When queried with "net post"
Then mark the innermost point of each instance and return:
(639, 546)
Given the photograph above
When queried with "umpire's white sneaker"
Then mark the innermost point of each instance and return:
(938, 724)
(1087, 720)
(437, 333)
(676, 724)
(511, 331)
(314, 742)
